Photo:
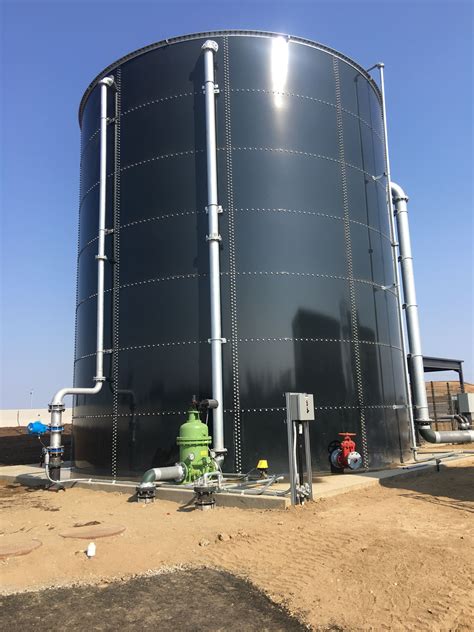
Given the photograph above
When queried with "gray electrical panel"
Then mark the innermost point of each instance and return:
(466, 403)
(301, 406)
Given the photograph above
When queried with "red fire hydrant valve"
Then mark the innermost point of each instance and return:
(344, 454)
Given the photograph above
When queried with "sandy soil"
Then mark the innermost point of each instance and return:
(397, 557)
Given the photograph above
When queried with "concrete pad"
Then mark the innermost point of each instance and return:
(324, 486)
(91, 532)
(15, 546)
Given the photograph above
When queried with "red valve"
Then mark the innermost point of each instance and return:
(343, 454)
(347, 445)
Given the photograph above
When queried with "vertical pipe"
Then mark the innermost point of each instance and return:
(381, 67)
(210, 48)
(400, 200)
(56, 408)
(100, 257)
(435, 412)
(461, 378)
(450, 399)
(309, 469)
(291, 454)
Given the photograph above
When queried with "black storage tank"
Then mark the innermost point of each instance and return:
(307, 272)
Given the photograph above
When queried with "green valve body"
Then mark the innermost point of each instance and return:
(194, 442)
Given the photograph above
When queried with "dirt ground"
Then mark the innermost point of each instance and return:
(17, 446)
(185, 600)
(397, 557)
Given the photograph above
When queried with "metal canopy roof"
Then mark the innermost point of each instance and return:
(431, 364)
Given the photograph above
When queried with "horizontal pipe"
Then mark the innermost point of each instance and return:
(172, 473)
(446, 436)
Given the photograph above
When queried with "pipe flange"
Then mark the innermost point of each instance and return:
(56, 408)
(205, 498)
(58, 450)
(146, 492)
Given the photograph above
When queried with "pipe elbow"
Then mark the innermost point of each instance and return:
(148, 477)
(107, 81)
(176, 473)
(210, 45)
(397, 192)
(446, 436)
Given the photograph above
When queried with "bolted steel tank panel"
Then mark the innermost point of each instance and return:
(308, 302)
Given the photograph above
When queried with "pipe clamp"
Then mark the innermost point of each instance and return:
(213, 237)
(218, 206)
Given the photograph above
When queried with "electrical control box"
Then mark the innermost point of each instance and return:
(466, 403)
(301, 406)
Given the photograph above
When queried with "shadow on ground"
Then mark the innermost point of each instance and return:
(193, 600)
(450, 486)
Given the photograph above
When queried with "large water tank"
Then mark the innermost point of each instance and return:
(308, 302)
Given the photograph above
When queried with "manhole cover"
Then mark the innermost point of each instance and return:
(13, 547)
(93, 531)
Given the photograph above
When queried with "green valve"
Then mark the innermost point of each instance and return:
(194, 442)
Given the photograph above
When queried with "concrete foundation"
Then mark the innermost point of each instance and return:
(323, 486)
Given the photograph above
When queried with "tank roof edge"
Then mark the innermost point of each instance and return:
(221, 33)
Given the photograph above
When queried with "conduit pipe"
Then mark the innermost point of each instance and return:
(56, 407)
(213, 209)
(420, 400)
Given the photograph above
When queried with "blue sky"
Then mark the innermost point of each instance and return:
(52, 50)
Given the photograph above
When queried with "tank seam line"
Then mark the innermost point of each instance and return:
(237, 430)
(178, 277)
(91, 138)
(196, 212)
(180, 343)
(191, 152)
(188, 152)
(173, 97)
(164, 413)
(157, 218)
(309, 98)
(298, 152)
(349, 257)
(135, 108)
(318, 214)
(116, 276)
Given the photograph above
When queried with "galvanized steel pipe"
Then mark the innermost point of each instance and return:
(209, 49)
(57, 406)
(420, 399)
(172, 473)
(396, 273)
